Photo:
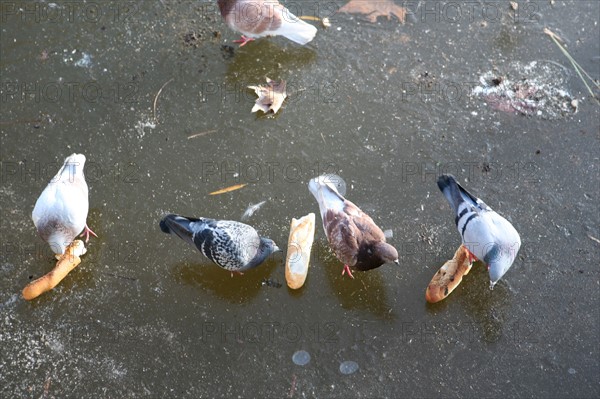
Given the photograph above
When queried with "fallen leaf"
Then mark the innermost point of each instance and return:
(375, 9)
(270, 97)
(228, 189)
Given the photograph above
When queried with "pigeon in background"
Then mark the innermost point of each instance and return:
(486, 235)
(260, 18)
(354, 237)
(60, 212)
(232, 245)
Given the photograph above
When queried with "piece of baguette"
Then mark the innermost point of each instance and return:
(449, 276)
(302, 234)
(67, 262)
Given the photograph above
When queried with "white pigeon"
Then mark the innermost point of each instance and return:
(486, 235)
(260, 18)
(60, 212)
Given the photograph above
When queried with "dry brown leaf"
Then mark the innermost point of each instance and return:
(228, 189)
(375, 9)
(270, 97)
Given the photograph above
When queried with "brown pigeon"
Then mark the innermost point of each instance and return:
(354, 237)
(260, 18)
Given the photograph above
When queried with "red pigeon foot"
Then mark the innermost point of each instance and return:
(472, 258)
(347, 270)
(244, 40)
(86, 232)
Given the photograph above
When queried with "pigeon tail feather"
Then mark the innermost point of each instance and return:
(295, 29)
(180, 226)
(451, 190)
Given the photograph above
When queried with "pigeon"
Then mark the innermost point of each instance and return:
(260, 18)
(232, 245)
(60, 212)
(355, 239)
(486, 235)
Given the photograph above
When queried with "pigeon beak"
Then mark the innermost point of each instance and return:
(276, 248)
(397, 262)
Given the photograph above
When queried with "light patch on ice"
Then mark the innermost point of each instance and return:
(140, 126)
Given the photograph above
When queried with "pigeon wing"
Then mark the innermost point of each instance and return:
(234, 244)
(343, 236)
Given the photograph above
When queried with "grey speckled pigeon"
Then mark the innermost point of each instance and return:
(355, 239)
(60, 212)
(232, 245)
(486, 235)
(260, 18)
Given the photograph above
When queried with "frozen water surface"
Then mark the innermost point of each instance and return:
(386, 106)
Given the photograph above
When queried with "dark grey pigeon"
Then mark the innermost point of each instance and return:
(232, 245)
(486, 235)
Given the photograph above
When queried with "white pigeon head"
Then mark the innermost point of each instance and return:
(72, 168)
(333, 181)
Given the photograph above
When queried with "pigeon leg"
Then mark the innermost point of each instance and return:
(472, 258)
(347, 270)
(86, 232)
(244, 40)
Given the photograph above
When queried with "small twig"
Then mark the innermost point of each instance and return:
(228, 189)
(156, 98)
(555, 38)
(310, 18)
(119, 276)
(201, 134)
(19, 121)
(593, 238)
(46, 388)
(293, 387)
(323, 137)
(296, 92)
